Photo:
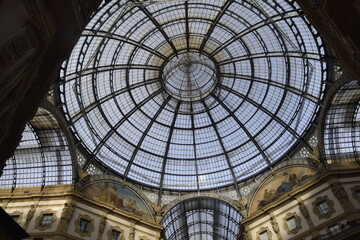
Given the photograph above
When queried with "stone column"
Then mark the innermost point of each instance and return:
(275, 226)
(102, 226)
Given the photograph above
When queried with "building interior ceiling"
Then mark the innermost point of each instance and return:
(186, 95)
(189, 96)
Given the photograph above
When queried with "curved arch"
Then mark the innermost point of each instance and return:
(116, 180)
(341, 123)
(206, 217)
(43, 156)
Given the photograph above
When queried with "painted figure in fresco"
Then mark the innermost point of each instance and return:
(132, 206)
(111, 196)
(285, 185)
(116, 199)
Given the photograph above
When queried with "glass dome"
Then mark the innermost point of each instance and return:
(192, 95)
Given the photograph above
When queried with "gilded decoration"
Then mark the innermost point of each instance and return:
(329, 203)
(286, 226)
(116, 228)
(39, 220)
(280, 183)
(263, 230)
(86, 232)
(17, 213)
(120, 197)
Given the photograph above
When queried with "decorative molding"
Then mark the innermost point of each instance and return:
(17, 213)
(261, 230)
(30, 215)
(341, 195)
(67, 212)
(102, 224)
(39, 219)
(90, 229)
(297, 220)
(328, 202)
(116, 228)
(305, 212)
(275, 226)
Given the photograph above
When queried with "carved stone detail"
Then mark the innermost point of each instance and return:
(67, 212)
(297, 220)
(102, 224)
(262, 230)
(341, 195)
(90, 229)
(38, 221)
(305, 212)
(243, 206)
(116, 228)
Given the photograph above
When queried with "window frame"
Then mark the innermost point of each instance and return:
(261, 231)
(117, 229)
(46, 219)
(286, 224)
(335, 226)
(40, 218)
(19, 216)
(318, 202)
(90, 225)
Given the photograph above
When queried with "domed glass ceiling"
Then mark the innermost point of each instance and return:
(193, 94)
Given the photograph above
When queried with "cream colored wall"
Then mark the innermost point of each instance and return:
(281, 213)
(348, 184)
(62, 229)
(43, 206)
(290, 204)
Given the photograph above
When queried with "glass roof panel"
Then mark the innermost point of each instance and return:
(193, 94)
(42, 157)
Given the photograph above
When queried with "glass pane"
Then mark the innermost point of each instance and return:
(46, 220)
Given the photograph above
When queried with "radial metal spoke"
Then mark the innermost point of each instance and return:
(270, 82)
(252, 28)
(214, 23)
(270, 114)
(113, 36)
(168, 144)
(159, 27)
(88, 108)
(144, 134)
(227, 158)
(124, 119)
(260, 150)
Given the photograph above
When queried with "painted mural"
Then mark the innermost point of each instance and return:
(119, 196)
(281, 182)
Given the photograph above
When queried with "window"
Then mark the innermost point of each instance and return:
(84, 225)
(323, 207)
(264, 236)
(115, 235)
(46, 219)
(15, 217)
(292, 224)
(335, 229)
